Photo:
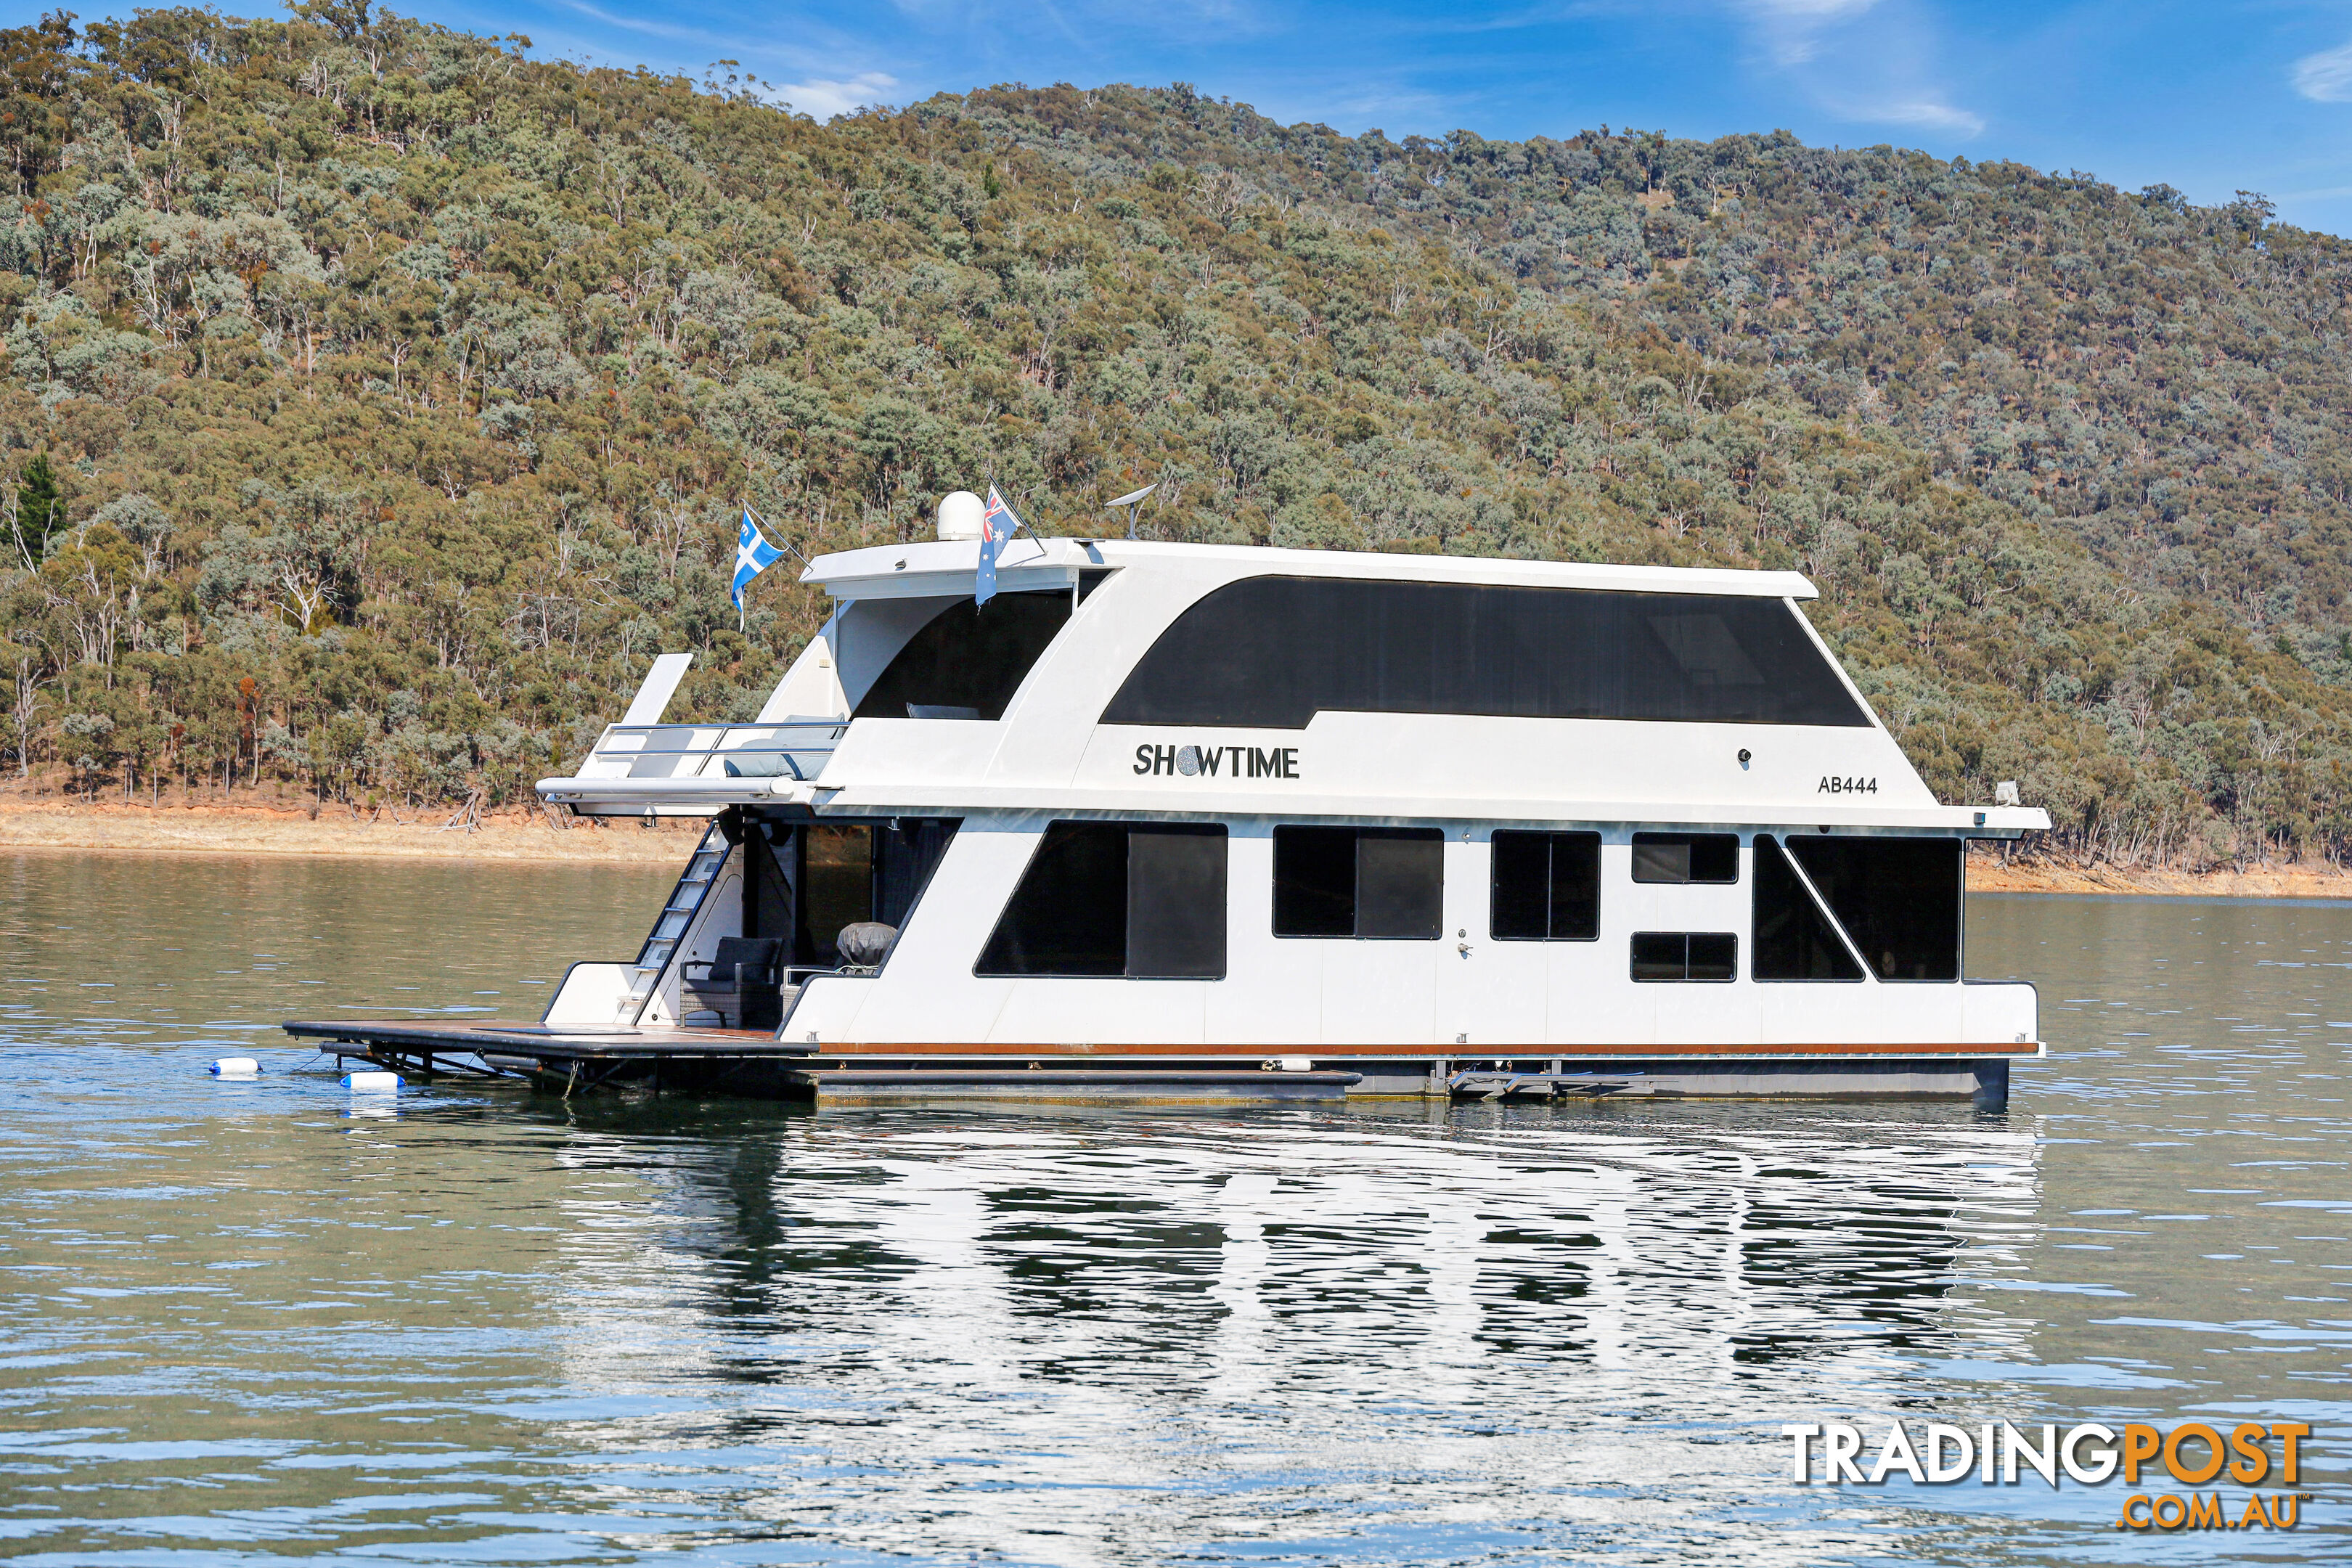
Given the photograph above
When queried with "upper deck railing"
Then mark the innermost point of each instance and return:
(793, 748)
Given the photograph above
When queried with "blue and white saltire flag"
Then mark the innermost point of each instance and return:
(754, 555)
(997, 526)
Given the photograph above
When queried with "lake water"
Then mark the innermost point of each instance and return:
(244, 1321)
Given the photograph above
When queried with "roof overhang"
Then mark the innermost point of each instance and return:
(946, 568)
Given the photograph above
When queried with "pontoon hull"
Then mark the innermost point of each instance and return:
(739, 1062)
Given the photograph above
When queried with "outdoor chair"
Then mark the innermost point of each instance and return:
(737, 984)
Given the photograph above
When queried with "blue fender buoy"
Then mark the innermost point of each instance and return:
(371, 1080)
(235, 1066)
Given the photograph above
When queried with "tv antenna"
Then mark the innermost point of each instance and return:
(1133, 500)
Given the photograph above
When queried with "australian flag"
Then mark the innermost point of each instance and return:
(997, 526)
(754, 555)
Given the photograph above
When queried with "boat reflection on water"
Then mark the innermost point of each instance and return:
(1071, 1335)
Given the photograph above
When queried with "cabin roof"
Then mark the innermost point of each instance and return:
(945, 567)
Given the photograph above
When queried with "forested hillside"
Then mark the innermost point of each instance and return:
(377, 400)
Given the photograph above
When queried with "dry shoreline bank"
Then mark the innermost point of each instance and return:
(52, 823)
(1987, 874)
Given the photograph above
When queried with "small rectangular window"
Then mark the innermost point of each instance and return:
(1368, 882)
(1546, 886)
(1142, 899)
(1314, 881)
(1687, 857)
(1686, 955)
(1714, 956)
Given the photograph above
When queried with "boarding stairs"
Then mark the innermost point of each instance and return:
(694, 885)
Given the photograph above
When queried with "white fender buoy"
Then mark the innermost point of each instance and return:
(371, 1080)
(235, 1066)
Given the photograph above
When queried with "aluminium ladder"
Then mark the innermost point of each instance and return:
(694, 885)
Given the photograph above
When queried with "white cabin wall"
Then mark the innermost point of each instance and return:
(926, 991)
(1051, 723)
(1273, 992)
(1083, 1012)
(1499, 990)
(1428, 765)
(1343, 993)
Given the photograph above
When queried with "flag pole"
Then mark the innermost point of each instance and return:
(761, 518)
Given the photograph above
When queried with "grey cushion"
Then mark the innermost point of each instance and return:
(744, 960)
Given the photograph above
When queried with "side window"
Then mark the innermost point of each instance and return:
(1686, 955)
(1142, 899)
(1546, 886)
(1273, 652)
(1899, 898)
(1381, 882)
(1176, 902)
(1794, 940)
(969, 661)
(1687, 857)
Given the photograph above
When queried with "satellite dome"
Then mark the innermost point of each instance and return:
(960, 515)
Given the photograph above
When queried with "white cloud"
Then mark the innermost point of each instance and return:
(1791, 29)
(823, 99)
(1871, 61)
(1933, 116)
(2326, 77)
(634, 25)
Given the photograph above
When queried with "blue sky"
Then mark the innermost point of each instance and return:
(2210, 97)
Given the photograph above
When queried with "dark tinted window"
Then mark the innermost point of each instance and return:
(1176, 902)
(1686, 955)
(1143, 899)
(907, 850)
(1272, 652)
(1794, 940)
(1359, 881)
(1687, 856)
(1899, 898)
(969, 661)
(1068, 916)
(1546, 886)
(1314, 881)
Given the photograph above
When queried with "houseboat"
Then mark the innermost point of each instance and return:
(1206, 822)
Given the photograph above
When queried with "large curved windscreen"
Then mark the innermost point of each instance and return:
(969, 661)
(1272, 652)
